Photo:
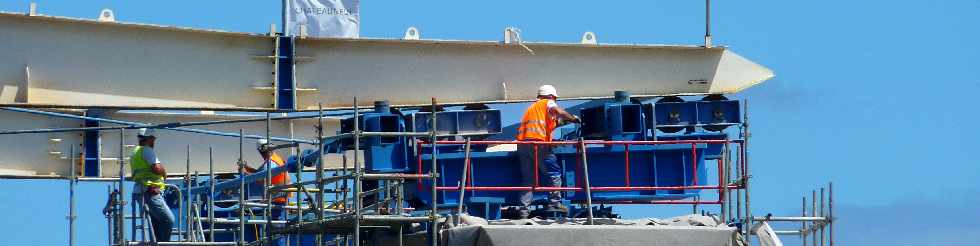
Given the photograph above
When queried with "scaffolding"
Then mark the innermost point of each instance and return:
(355, 210)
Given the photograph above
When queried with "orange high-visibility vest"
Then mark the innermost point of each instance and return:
(537, 124)
(279, 179)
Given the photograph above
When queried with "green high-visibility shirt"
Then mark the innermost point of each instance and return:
(142, 173)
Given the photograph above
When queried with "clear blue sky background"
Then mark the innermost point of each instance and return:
(877, 96)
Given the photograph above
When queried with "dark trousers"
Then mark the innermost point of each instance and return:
(161, 218)
(547, 167)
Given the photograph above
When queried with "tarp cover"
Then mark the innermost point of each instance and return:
(691, 230)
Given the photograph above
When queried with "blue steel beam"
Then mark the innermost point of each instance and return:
(132, 124)
(285, 73)
(92, 143)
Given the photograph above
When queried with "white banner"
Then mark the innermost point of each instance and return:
(324, 18)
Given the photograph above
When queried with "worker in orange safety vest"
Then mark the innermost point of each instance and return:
(538, 124)
(272, 160)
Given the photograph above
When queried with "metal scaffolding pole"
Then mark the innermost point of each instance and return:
(299, 194)
(241, 187)
(107, 219)
(196, 212)
(748, 176)
(813, 213)
(187, 202)
(319, 171)
(435, 202)
(588, 186)
(266, 195)
(121, 202)
(71, 197)
(723, 182)
(462, 184)
(803, 223)
(357, 176)
(211, 193)
(822, 215)
(830, 212)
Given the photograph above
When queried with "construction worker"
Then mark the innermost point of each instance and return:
(273, 160)
(270, 157)
(537, 125)
(149, 175)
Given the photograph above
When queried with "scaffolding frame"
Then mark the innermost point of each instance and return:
(349, 216)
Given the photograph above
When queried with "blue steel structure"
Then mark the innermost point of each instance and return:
(632, 159)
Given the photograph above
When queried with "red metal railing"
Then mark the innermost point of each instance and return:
(721, 169)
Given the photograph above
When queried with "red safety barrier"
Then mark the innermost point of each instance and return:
(627, 187)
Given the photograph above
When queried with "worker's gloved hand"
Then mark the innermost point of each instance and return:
(243, 168)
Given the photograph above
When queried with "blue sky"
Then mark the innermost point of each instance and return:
(877, 96)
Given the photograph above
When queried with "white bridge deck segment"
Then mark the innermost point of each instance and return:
(77, 62)
(60, 62)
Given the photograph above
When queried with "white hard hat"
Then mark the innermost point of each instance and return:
(546, 90)
(146, 132)
(260, 144)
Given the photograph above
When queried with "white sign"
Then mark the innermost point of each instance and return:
(324, 18)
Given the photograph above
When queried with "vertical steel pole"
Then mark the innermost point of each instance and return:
(121, 231)
(462, 184)
(803, 230)
(319, 170)
(241, 187)
(721, 183)
(266, 194)
(285, 26)
(195, 213)
(588, 185)
(187, 201)
(740, 178)
(435, 201)
(830, 212)
(72, 181)
(108, 220)
(344, 186)
(211, 182)
(357, 175)
(721, 187)
(747, 171)
(823, 224)
(813, 213)
(728, 179)
(707, 23)
(300, 191)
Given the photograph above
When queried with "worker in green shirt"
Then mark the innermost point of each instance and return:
(149, 175)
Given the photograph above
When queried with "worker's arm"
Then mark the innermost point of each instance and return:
(151, 156)
(561, 114)
(566, 116)
(158, 169)
(247, 169)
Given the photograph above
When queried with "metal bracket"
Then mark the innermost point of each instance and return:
(589, 38)
(512, 35)
(106, 15)
(412, 34)
(32, 9)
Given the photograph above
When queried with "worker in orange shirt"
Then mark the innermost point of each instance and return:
(272, 160)
(538, 124)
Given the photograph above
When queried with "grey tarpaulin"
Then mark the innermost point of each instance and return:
(691, 230)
